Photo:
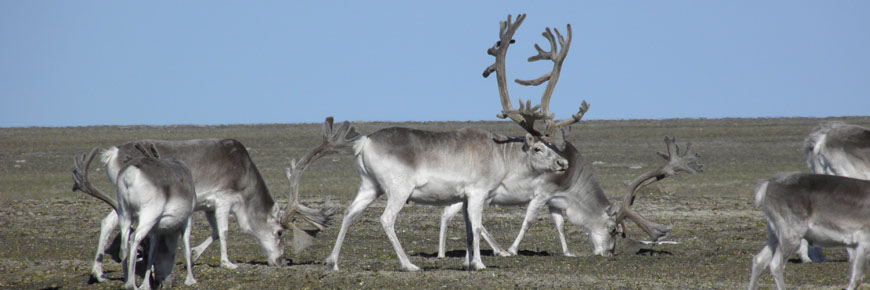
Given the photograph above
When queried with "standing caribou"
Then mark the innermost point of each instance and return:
(826, 210)
(836, 148)
(226, 180)
(157, 195)
(471, 166)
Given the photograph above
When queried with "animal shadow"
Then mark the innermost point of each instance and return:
(528, 253)
(453, 254)
(653, 252)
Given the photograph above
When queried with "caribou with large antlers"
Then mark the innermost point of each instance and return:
(577, 192)
(226, 180)
(465, 166)
(157, 195)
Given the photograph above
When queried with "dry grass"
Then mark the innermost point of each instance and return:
(48, 233)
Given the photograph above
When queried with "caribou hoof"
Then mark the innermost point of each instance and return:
(410, 268)
(569, 254)
(330, 263)
(195, 253)
(97, 278)
(503, 253)
(228, 265)
(476, 266)
(189, 281)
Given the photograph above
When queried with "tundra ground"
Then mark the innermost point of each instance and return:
(48, 233)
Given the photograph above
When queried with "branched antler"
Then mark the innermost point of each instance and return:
(81, 182)
(333, 141)
(527, 114)
(151, 152)
(676, 162)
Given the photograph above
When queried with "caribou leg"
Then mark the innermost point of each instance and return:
(156, 243)
(189, 280)
(366, 194)
(222, 214)
(531, 214)
(777, 263)
(448, 214)
(146, 222)
(496, 248)
(109, 223)
(473, 223)
(212, 223)
(559, 222)
(808, 254)
(396, 199)
(762, 259)
(858, 261)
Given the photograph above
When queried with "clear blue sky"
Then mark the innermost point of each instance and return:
(73, 63)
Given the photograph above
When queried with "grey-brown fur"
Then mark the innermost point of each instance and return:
(226, 180)
(826, 210)
(835, 148)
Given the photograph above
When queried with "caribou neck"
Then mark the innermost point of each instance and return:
(580, 188)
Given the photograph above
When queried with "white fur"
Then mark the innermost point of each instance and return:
(441, 182)
(141, 202)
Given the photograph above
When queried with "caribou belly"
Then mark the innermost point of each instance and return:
(438, 192)
(822, 236)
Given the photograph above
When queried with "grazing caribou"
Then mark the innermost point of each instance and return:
(826, 210)
(576, 192)
(471, 166)
(226, 180)
(157, 195)
(836, 148)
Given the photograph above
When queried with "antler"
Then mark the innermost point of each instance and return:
(527, 114)
(333, 142)
(81, 182)
(151, 152)
(676, 162)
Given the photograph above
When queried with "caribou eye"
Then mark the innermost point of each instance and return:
(538, 150)
(280, 233)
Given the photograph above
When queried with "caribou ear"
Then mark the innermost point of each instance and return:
(612, 210)
(530, 140)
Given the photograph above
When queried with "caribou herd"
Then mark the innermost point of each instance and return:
(159, 184)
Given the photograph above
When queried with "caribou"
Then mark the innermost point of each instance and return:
(226, 180)
(576, 192)
(157, 195)
(826, 210)
(835, 148)
(471, 166)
